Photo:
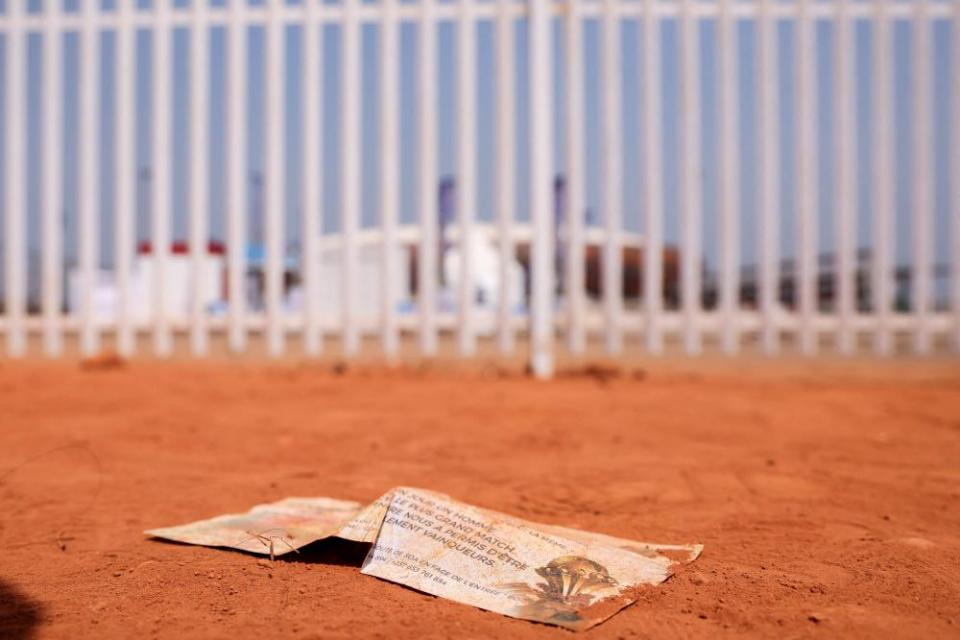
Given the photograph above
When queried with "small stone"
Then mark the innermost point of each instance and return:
(103, 361)
(145, 563)
(815, 618)
(117, 574)
(919, 543)
(263, 563)
(698, 578)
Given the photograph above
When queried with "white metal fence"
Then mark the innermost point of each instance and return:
(577, 279)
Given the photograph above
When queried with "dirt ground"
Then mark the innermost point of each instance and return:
(827, 496)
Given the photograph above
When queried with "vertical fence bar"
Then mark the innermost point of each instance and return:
(466, 167)
(52, 189)
(806, 272)
(691, 191)
(199, 174)
(15, 91)
(768, 178)
(390, 176)
(235, 202)
(922, 176)
(350, 152)
(427, 148)
(88, 197)
(846, 260)
(955, 155)
(574, 289)
(541, 154)
(506, 194)
(653, 179)
(126, 170)
(312, 132)
(611, 162)
(273, 182)
(883, 185)
(728, 159)
(160, 207)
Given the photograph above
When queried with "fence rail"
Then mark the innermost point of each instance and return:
(554, 274)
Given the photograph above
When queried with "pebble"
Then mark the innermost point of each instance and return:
(919, 543)
(145, 563)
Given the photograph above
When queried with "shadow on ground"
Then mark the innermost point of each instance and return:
(19, 615)
(334, 551)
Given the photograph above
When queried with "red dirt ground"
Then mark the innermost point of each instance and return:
(828, 497)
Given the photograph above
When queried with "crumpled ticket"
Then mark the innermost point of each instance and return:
(432, 543)
(269, 529)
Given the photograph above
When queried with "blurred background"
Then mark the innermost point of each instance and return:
(559, 177)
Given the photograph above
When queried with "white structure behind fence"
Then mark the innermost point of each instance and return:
(776, 302)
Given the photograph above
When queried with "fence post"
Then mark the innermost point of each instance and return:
(768, 173)
(390, 176)
(691, 198)
(955, 210)
(466, 168)
(652, 179)
(729, 185)
(506, 152)
(273, 181)
(574, 218)
(236, 184)
(350, 176)
(845, 264)
(52, 182)
(88, 181)
(427, 174)
(125, 208)
(199, 174)
(611, 164)
(14, 167)
(883, 184)
(541, 122)
(805, 271)
(160, 207)
(922, 83)
(312, 145)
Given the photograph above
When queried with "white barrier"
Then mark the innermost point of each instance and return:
(559, 299)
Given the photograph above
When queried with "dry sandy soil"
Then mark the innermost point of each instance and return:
(828, 497)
